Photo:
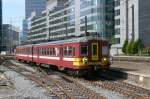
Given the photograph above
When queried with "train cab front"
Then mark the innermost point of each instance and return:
(99, 55)
(94, 55)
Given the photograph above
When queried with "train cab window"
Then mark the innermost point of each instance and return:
(84, 50)
(105, 50)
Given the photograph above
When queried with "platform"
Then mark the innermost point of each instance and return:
(137, 73)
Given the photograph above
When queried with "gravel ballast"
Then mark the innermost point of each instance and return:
(23, 88)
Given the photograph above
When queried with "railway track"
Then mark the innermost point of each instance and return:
(59, 87)
(68, 87)
(110, 83)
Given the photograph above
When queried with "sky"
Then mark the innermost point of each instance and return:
(13, 12)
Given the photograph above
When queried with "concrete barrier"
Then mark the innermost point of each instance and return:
(137, 79)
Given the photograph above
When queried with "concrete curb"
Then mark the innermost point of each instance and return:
(132, 58)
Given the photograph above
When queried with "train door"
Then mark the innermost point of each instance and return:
(61, 54)
(95, 52)
(38, 52)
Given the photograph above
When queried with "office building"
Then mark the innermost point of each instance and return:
(132, 21)
(10, 37)
(71, 17)
(34, 6)
(38, 28)
(31, 6)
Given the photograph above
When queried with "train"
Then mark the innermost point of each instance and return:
(75, 54)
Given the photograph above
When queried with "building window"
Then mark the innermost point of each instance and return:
(117, 41)
(117, 3)
(117, 31)
(117, 12)
(117, 22)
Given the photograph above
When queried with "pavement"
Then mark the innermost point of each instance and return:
(132, 67)
(137, 73)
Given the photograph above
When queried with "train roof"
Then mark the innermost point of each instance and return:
(72, 40)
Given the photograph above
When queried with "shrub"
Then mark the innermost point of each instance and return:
(125, 46)
(140, 44)
(145, 52)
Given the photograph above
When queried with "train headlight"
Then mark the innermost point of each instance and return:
(105, 60)
(85, 60)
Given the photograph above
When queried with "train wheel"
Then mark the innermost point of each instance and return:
(61, 68)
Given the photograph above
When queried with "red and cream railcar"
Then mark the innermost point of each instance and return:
(24, 53)
(77, 54)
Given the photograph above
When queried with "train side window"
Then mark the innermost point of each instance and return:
(47, 51)
(40, 51)
(65, 51)
(54, 52)
(57, 51)
(44, 51)
(84, 50)
(35, 51)
(68, 51)
(74, 49)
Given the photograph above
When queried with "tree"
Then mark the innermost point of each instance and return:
(135, 47)
(129, 48)
(140, 44)
(125, 46)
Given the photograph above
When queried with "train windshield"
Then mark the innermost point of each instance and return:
(84, 50)
(105, 50)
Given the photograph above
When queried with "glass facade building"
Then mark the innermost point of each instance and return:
(34, 5)
(38, 28)
(10, 37)
(71, 18)
(67, 18)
